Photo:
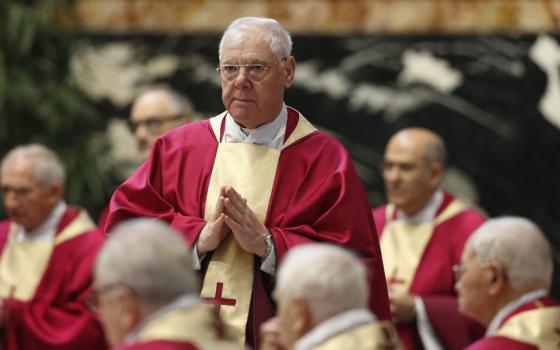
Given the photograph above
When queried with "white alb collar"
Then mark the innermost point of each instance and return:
(333, 326)
(269, 135)
(47, 230)
(426, 214)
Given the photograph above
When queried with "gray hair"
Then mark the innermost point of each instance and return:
(47, 166)
(269, 29)
(436, 152)
(149, 257)
(519, 246)
(180, 103)
(330, 279)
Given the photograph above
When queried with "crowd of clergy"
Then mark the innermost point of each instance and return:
(252, 230)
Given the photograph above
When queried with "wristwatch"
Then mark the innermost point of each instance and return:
(269, 245)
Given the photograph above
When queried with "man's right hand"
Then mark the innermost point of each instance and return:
(215, 230)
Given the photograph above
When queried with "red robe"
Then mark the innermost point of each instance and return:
(316, 196)
(160, 345)
(503, 342)
(57, 317)
(434, 280)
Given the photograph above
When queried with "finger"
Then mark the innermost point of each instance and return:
(219, 207)
(233, 211)
(235, 227)
(236, 197)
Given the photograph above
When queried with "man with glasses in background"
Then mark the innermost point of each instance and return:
(504, 282)
(247, 185)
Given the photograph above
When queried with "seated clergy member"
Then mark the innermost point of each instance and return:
(147, 293)
(506, 272)
(322, 296)
(422, 233)
(47, 250)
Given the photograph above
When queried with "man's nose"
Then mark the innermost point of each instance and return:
(242, 79)
(392, 173)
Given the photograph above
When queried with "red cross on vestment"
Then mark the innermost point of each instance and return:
(217, 300)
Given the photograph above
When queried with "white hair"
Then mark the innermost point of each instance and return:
(48, 168)
(267, 28)
(519, 246)
(180, 104)
(149, 257)
(329, 278)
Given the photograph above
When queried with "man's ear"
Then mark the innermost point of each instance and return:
(302, 317)
(290, 71)
(437, 172)
(497, 279)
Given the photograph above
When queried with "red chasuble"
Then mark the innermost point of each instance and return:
(433, 279)
(160, 345)
(56, 315)
(534, 325)
(316, 196)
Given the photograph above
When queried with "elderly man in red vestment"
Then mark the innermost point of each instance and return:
(504, 280)
(46, 256)
(247, 185)
(422, 233)
(147, 293)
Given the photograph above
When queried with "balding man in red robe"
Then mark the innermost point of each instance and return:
(247, 185)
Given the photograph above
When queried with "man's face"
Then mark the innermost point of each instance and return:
(151, 116)
(253, 103)
(472, 287)
(409, 180)
(27, 202)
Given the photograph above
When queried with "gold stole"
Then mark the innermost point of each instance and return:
(539, 327)
(23, 264)
(195, 325)
(376, 335)
(403, 244)
(250, 170)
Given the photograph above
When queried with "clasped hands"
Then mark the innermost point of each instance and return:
(233, 216)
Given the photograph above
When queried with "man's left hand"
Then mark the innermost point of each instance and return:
(249, 232)
(403, 308)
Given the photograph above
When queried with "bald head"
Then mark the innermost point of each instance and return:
(155, 112)
(413, 168)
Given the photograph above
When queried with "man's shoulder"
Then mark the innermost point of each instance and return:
(185, 133)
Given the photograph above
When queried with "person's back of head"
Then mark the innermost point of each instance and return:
(143, 266)
(505, 258)
(316, 282)
(32, 178)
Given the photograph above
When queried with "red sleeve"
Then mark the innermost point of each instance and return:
(57, 317)
(318, 197)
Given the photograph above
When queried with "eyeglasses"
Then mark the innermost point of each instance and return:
(153, 124)
(93, 298)
(254, 71)
(460, 269)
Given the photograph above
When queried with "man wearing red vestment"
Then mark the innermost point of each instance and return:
(147, 293)
(422, 233)
(46, 256)
(247, 185)
(503, 282)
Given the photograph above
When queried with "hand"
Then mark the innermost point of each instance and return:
(403, 308)
(270, 337)
(249, 232)
(215, 230)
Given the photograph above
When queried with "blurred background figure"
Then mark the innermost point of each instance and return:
(504, 282)
(422, 233)
(147, 294)
(155, 112)
(322, 295)
(47, 249)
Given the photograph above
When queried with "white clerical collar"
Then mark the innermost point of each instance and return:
(270, 134)
(426, 214)
(512, 306)
(333, 326)
(47, 230)
(184, 301)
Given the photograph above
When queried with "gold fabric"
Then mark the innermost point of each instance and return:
(23, 264)
(195, 325)
(403, 244)
(378, 335)
(539, 327)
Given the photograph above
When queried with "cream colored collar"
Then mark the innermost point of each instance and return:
(47, 230)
